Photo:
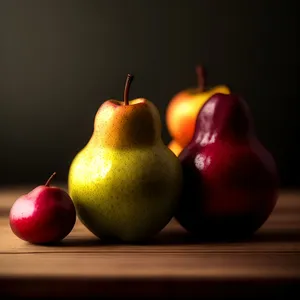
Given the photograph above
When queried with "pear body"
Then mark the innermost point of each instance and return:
(127, 192)
(175, 147)
(230, 182)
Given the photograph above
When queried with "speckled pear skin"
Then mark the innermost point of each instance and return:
(125, 183)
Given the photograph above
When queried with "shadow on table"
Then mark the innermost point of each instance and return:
(4, 212)
(176, 235)
(181, 237)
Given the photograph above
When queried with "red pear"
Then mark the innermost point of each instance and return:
(230, 180)
(45, 215)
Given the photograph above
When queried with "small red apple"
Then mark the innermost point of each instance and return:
(45, 215)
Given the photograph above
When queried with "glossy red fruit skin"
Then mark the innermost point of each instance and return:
(45, 215)
(231, 183)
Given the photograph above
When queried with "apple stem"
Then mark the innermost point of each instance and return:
(200, 77)
(50, 178)
(126, 90)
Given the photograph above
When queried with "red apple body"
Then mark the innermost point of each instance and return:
(45, 215)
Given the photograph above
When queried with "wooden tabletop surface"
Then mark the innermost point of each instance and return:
(170, 265)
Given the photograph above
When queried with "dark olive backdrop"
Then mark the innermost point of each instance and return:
(59, 60)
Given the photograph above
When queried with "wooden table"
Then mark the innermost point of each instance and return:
(171, 265)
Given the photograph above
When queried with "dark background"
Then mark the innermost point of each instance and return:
(60, 60)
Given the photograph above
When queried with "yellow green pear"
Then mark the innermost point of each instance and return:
(125, 183)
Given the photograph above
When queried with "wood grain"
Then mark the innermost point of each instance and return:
(172, 263)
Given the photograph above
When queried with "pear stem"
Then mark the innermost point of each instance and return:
(200, 77)
(50, 178)
(127, 87)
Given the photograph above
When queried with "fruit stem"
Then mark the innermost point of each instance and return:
(50, 178)
(200, 77)
(126, 90)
